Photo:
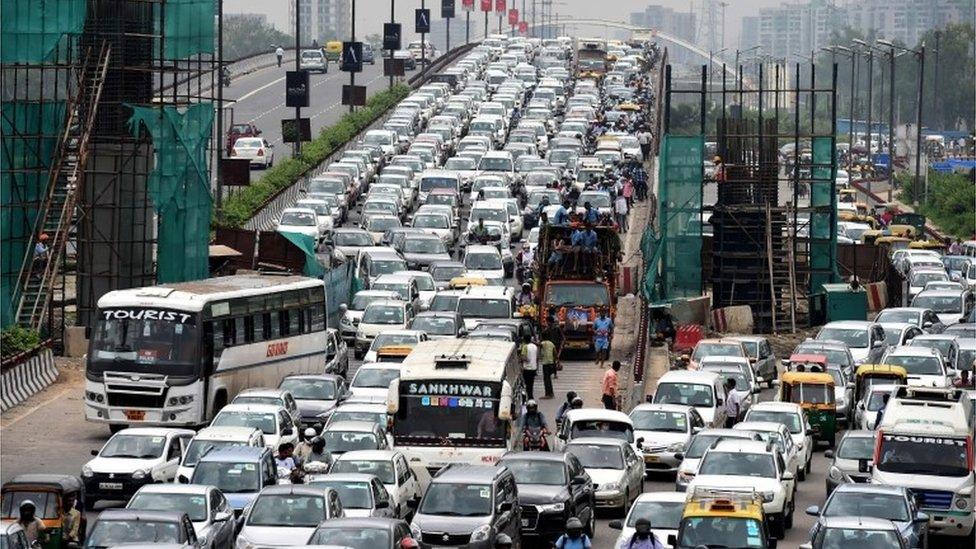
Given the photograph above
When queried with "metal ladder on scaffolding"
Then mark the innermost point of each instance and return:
(55, 218)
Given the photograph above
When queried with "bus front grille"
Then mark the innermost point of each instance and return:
(131, 400)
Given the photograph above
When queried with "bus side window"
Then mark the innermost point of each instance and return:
(265, 326)
(249, 329)
(298, 323)
(318, 318)
(274, 323)
(283, 323)
(228, 331)
(217, 329)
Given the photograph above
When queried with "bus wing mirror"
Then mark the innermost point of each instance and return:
(393, 397)
(505, 402)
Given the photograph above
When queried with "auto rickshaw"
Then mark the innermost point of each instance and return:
(393, 353)
(904, 231)
(50, 494)
(874, 374)
(927, 245)
(807, 363)
(814, 392)
(915, 220)
(893, 243)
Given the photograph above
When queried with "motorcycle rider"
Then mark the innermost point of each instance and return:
(574, 538)
(565, 406)
(479, 233)
(533, 419)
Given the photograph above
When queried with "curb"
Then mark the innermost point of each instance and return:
(26, 379)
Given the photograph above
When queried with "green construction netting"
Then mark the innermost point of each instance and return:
(823, 237)
(31, 29)
(680, 198)
(651, 252)
(306, 244)
(29, 133)
(179, 186)
(188, 27)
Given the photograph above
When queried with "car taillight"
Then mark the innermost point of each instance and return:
(877, 446)
(969, 451)
(260, 152)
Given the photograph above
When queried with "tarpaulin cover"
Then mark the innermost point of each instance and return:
(31, 29)
(179, 187)
(188, 27)
(25, 163)
(306, 244)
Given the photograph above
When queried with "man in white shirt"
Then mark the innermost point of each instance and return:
(530, 364)
(644, 137)
(620, 212)
(733, 403)
(280, 53)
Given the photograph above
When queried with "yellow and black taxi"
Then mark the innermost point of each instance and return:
(716, 517)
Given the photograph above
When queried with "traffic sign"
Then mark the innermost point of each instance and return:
(447, 9)
(467, 5)
(485, 5)
(296, 88)
(352, 57)
(513, 17)
(523, 27)
(391, 36)
(421, 20)
(353, 95)
(290, 133)
(500, 6)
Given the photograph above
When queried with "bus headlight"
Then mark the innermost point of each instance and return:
(677, 447)
(184, 400)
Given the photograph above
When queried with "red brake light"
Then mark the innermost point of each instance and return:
(260, 152)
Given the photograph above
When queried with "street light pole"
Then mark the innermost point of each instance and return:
(297, 145)
(918, 129)
(891, 117)
(392, 20)
(423, 45)
(352, 38)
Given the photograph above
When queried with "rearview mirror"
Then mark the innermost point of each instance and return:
(94, 452)
(813, 511)
(672, 540)
(222, 516)
(829, 454)
(921, 518)
(413, 503)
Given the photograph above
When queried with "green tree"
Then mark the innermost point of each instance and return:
(951, 203)
(247, 34)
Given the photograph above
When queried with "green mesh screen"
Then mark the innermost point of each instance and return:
(651, 252)
(30, 133)
(179, 186)
(31, 29)
(188, 27)
(306, 244)
(823, 237)
(680, 197)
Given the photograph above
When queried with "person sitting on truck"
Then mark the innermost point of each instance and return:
(562, 214)
(585, 239)
(590, 214)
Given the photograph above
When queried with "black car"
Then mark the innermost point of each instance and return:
(552, 488)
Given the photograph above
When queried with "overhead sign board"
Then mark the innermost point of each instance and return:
(391, 36)
(421, 19)
(447, 9)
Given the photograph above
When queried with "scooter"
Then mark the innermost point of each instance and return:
(534, 438)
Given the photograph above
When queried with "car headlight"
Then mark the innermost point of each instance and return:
(841, 401)
(768, 496)
(685, 476)
(415, 532)
(552, 508)
(481, 533)
(677, 447)
(244, 543)
(140, 474)
(610, 486)
(835, 473)
(87, 472)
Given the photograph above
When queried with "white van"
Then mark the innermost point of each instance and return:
(209, 438)
(702, 390)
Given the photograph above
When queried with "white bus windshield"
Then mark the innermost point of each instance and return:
(145, 340)
(923, 455)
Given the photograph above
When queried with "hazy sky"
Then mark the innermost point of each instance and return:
(368, 21)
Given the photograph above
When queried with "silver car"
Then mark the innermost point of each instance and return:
(314, 60)
(854, 448)
(286, 515)
(617, 472)
(206, 507)
(361, 495)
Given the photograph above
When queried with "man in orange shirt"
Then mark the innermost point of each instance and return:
(610, 386)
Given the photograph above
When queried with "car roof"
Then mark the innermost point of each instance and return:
(870, 488)
(602, 414)
(535, 456)
(224, 454)
(155, 431)
(345, 477)
(742, 446)
(599, 441)
(367, 522)
(356, 426)
(777, 406)
(857, 523)
(849, 324)
(329, 377)
(259, 408)
(368, 455)
(175, 488)
(138, 514)
(673, 497)
(467, 473)
(689, 376)
(758, 426)
(297, 489)
(268, 391)
(905, 350)
(663, 407)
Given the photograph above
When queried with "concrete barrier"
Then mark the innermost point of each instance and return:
(736, 319)
(21, 380)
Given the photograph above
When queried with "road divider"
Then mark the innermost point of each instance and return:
(25, 375)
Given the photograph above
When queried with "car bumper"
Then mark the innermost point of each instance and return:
(952, 522)
(613, 499)
(122, 487)
(661, 462)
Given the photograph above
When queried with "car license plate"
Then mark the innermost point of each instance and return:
(110, 485)
(651, 459)
(135, 415)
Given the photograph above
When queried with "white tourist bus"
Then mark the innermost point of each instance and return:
(456, 401)
(175, 354)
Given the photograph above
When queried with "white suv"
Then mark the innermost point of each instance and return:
(756, 465)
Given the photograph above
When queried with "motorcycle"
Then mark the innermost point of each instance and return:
(534, 438)
(225, 77)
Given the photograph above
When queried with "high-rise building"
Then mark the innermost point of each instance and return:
(678, 24)
(791, 30)
(321, 20)
(906, 20)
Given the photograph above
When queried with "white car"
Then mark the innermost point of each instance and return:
(314, 60)
(616, 470)
(323, 212)
(286, 515)
(346, 436)
(777, 433)
(206, 507)
(255, 149)
(372, 381)
(399, 338)
(209, 438)
(485, 262)
(703, 390)
(378, 317)
(300, 220)
(866, 340)
(699, 443)
(131, 458)
(390, 466)
(353, 313)
(663, 509)
(791, 415)
(925, 366)
(361, 495)
(270, 395)
(275, 422)
(757, 465)
(663, 431)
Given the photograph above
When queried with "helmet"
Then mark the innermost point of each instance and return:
(409, 543)
(24, 505)
(503, 540)
(643, 525)
(531, 405)
(526, 285)
(574, 524)
(309, 433)
(577, 402)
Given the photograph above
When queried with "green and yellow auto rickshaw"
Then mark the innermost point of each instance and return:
(59, 500)
(814, 392)
(867, 375)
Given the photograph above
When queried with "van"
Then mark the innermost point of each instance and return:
(240, 472)
(704, 391)
(211, 438)
(479, 303)
(438, 179)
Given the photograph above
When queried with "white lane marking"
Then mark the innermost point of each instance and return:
(262, 88)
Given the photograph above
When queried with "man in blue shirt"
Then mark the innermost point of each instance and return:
(562, 215)
(590, 215)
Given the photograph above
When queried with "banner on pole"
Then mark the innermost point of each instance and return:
(421, 20)
(523, 27)
(447, 9)
(513, 17)
(500, 6)
(467, 5)
(485, 5)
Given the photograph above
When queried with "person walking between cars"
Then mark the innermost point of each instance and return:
(529, 352)
(33, 527)
(643, 537)
(620, 210)
(279, 53)
(547, 357)
(574, 538)
(644, 137)
(733, 404)
(609, 396)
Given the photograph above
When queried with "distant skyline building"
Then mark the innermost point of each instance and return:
(906, 20)
(321, 20)
(676, 23)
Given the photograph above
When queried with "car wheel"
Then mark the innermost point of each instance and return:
(801, 474)
(626, 504)
(591, 524)
(808, 467)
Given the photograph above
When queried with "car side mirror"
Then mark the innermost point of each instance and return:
(385, 504)
(222, 516)
(813, 511)
(788, 476)
(863, 466)
(640, 442)
(343, 307)
(287, 431)
(829, 454)
(672, 540)
(413, 503)
(616, 524)
(775, 383)
(679, 456)
(561, 436)
(182, 479)
(504, 507)
(579, 479)
(94, 452)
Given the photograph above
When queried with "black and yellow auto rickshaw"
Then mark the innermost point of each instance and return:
(58, 499)
(814, 392)
(867, 375)
(393, 353)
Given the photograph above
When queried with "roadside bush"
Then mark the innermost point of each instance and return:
(242, 205)
(17, 339)
(951, 204)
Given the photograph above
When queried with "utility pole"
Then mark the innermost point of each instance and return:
(486, 23)
(723, 6)
(467, 26)
(423, 43)
(297, 145)
(392, 21)
(936, 97)
(535, 30)
(870, 103)
(918, 130)
(352, 31)
(220, 103)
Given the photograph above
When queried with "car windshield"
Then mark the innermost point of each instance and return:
(145, 340)
(485, 308)
(705, 349)
(738, 464)
(353, 495)
(944, 346)
(287, 510)
(248, 143)
(883, 506)
(526, 471)
(347, 441)
(375, 377)
(845, 538)
(460, 163)
(387, 266)
(444, 273)
(876, 400)
(444, 303)
(664, 515)
(194, 505)
(375, 138)
(134, 446)
(378, 418)
(790, 419)
(577, 294)
(265, 422)
(431, 221)
(917, 365)
(812, 393)
(109, 533)
(383, 314)
(688, 394)
(351, 538)
(382, 470)
(602, 429)
(598, 456)
(939, 304)
(309, 389)
(721, 532)
(298, 219)
(852, 337)
(597, 200)
(700, 443)
(924, 455)
(352, 238)
(326, 186)
(383, 223)
(457, 500)
(401, 288)
(434, 325)
(657, 420)
(231, 478)
(199, 447)
(428, 183)
(740, 379)
(361, 301)
(424, 246)
(920, 279)
(898, 315)
(488, 214)
(856, 448)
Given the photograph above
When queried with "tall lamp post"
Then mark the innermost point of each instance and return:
(920, 55)
(870, 55)
(850, 130)
(891, 114)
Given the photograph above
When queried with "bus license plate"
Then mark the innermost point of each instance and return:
(110, 485)
(135, 415)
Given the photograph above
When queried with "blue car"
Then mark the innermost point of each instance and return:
(894, 503)
(240, 472)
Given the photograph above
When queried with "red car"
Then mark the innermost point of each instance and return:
(237, 131)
